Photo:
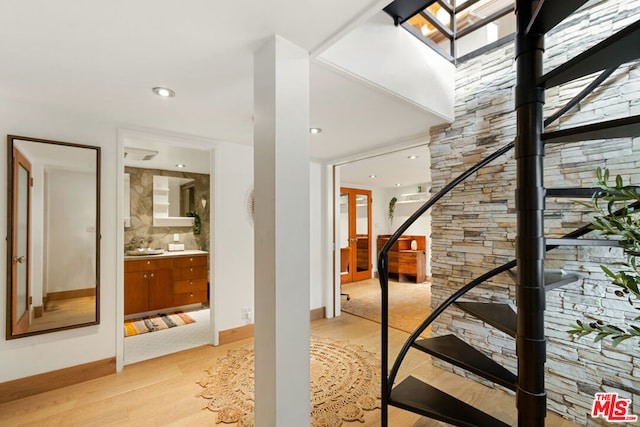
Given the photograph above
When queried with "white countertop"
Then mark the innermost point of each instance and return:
(166, 254)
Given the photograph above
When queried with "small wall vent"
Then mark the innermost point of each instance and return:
(132, 153)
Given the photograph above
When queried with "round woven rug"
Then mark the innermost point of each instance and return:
(345, 382)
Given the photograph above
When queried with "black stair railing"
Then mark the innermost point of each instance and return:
(383, 268)
(388, 377)
(531, 244)
(579, 232)
(437, 312)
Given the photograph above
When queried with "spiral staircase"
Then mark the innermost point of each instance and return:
(534, 20)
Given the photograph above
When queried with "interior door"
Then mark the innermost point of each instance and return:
(355, 226)
(20, 291)
(346, 271)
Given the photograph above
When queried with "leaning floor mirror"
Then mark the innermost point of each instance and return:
(53, 236)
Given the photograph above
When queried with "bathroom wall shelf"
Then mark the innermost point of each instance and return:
(420, 197)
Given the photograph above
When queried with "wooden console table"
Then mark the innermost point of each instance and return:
(407, 264)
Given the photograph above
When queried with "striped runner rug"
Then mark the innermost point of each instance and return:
(161, 321)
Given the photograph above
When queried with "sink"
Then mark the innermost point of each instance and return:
(145, 251)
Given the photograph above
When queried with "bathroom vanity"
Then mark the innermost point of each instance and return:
(171, 279)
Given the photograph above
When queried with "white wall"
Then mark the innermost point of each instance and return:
(42, 353)
(232, 242)
(318, 276)
(70, 228)
(391, 58)
(233, 235)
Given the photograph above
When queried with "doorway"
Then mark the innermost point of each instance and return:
(355, 234)
(402, 174)
(166, 183)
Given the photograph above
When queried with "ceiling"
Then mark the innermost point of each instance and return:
(405, 171)
(169, 156)
(100, 60)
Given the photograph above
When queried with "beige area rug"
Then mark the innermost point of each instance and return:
(345, 382)
(409, 305)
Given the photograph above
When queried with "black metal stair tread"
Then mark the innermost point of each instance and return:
(581, 242)
(457, 352)
(550, 13)
(627, 127)
(500, 316)
(416, 396)
(573, 192)
(617, 49)
(401, 10)
(553, 280)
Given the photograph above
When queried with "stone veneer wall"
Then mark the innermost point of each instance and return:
(473, 229)
(141, 181)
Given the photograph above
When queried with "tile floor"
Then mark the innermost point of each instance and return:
(160, 343)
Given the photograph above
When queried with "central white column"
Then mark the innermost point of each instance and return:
(281, 176)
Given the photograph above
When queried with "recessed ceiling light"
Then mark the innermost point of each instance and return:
(181, 165)
(412, 157)
(163, 92)
(315, 130)
(372, 176)
(398, 185)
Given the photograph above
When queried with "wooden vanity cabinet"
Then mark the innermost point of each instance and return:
(190, 281)
(147, 284)
(160, 289)
(136, 291)
(154, 284)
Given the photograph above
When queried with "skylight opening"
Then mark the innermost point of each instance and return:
(458, 29)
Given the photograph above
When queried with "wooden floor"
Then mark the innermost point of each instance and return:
(361, 288)
(163, 391)
(65, 312)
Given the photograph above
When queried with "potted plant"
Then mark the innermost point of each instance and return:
(196, 222)
(624, 274)
(392, 209)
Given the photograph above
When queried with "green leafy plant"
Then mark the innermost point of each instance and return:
(392, 208)
(196, 222)
(624, 225)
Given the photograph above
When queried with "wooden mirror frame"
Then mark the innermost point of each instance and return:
(11, 139)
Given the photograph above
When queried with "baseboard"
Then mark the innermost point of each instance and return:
(235, 334)
(76, 293)
(38, 311)
(242, 332)
(36, 384)
(317, 313)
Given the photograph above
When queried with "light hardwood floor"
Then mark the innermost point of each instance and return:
(361, 288)
(163, 391)
(65, 312)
